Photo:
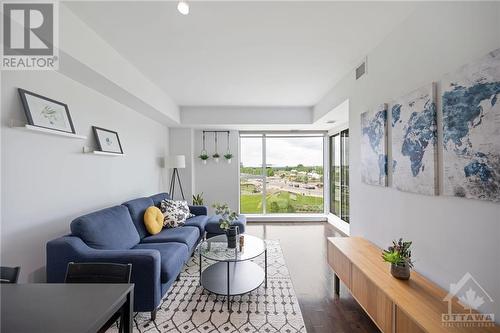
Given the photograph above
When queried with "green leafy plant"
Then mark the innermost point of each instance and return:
(228, 156)
(399, 253)
(227, 216)
(204, 157)
(198, 199)
(216, 155)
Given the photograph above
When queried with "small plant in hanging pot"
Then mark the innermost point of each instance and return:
(227, 218)
(216, 157)
(204, 157)
(228, 156)
(399, 255)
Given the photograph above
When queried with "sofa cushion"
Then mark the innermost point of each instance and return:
(108, 229)
(173, 256)
(157, 198)
(199, 221)
(153, 220)
(137, 207)
(186, 235)
(212, 226)
(175, 212)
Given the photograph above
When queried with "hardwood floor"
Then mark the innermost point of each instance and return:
(304, 248)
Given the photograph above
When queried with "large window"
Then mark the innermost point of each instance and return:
(281, 173)
(339, 175)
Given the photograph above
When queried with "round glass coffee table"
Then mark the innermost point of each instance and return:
(232, 273)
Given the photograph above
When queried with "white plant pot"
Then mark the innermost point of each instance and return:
(228, 161)
(204, 162)
(216, 159)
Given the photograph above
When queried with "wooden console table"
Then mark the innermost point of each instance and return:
(395, 306)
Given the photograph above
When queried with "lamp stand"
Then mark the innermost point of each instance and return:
(172, 184)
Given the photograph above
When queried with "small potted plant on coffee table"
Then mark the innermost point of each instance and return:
(226, 221)
(399, 255)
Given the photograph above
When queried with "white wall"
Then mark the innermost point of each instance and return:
(218, 181)
(89, 59)
(47, 181)
(250, 115)
(451, 236)
(181, 142)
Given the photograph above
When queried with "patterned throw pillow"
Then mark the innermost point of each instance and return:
(175, 213)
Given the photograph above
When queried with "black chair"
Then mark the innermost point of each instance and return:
(100, 273)
(9, 274)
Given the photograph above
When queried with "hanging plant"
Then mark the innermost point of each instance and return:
(216, 154)
(203, 155)
(228, 156)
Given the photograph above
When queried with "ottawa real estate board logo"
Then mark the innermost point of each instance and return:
(30, 36)
(473, 305)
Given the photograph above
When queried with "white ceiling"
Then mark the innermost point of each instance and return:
(244, 53)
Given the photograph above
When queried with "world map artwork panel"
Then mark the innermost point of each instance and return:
(471, 130)
(374, 146)
(414, 138)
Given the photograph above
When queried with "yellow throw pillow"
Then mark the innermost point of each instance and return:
(153, 220)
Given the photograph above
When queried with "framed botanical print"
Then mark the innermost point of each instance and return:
(47, 113)
(107, 140)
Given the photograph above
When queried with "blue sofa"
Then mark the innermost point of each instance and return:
(117, 234)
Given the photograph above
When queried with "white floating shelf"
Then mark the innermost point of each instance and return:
(97, 152)
(51, 132)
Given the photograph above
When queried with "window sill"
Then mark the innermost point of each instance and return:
(339, 224)
(286, 217)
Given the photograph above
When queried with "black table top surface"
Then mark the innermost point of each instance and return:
(54, 307)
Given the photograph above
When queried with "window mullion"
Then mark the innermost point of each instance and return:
(264, 175)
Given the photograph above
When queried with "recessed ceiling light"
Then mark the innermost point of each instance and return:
(331, 122)
(183, 7)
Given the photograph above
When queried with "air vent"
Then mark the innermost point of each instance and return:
(361, 70)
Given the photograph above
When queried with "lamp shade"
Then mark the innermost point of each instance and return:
(175, 161)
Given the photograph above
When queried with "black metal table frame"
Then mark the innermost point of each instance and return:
(228, 262)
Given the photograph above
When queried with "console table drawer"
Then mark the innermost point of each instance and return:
(340, 264)
(372, 299)
(404, 324)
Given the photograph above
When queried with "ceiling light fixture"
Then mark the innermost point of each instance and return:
(183, 7)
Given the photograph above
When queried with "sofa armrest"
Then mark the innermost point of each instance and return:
(198, 210)
(146, 268)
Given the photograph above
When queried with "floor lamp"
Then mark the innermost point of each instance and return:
(176, 162)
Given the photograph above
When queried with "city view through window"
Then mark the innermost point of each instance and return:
(281, 174)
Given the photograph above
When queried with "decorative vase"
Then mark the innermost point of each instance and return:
(216, 159)
(400, 272)
(231, 235)
(228, 161)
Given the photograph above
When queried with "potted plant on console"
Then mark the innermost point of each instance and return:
(226, 220)
(399, 255)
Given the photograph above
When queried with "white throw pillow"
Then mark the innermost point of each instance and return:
(174, 212)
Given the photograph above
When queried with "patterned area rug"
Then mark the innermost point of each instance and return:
(187, 307)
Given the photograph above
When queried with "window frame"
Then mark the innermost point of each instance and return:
(263, 176)
(342, 134)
